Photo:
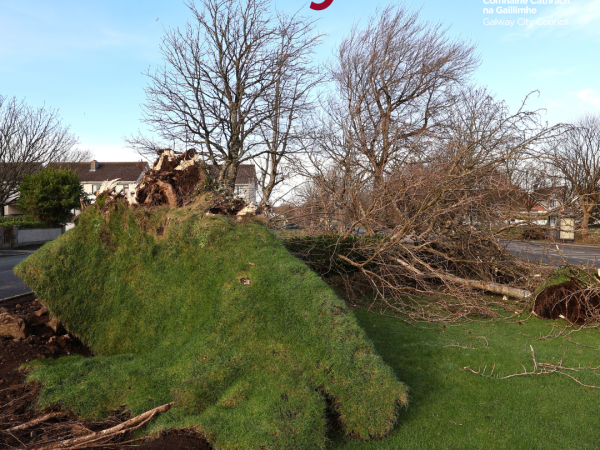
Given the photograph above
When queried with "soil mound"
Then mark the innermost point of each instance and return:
(18, 398)
(568, 301)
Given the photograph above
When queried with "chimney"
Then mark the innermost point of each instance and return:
(94, 165)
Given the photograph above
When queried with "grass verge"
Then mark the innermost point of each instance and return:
(452, 408)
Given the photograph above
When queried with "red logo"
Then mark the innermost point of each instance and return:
(321, 6)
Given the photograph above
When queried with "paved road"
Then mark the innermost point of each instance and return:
(548, 253)
(10, 284)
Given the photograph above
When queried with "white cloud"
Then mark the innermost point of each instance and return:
(589, 97)
(582, 16)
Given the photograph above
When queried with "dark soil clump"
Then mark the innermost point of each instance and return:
(568, 301)
(177, 440)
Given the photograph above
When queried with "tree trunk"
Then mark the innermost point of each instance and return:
(585, 219)
(489, 286)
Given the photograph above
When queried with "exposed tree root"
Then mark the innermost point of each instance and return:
(36, 421)
(93, 438)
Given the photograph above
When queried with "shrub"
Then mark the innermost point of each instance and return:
(22, 222)
(50, 195)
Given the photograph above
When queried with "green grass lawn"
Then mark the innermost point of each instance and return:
(453, 408)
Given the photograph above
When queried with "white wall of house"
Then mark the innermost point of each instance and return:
(90, 188)
(246, 191)
(10, 210)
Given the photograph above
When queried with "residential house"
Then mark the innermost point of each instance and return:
(547, 200)
(10, 208)
(552, 202)
(245, 181)
(94, 173)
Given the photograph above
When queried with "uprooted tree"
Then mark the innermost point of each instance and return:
(205, 320)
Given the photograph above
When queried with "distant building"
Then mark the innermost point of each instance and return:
(245, 181)
(15, 172)
(94, 173)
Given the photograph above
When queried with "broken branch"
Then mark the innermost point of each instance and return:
(36, 421)
(541, 369)
(129, 425)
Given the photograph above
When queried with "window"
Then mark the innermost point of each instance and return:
(240, 191)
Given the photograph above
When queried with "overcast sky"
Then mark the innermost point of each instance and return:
(86, 57)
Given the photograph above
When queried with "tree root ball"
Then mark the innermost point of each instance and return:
(568, 301)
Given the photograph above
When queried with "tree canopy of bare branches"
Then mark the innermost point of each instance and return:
(29, 138)
(231, 80)
(393, 79)
(290, 103)
(409, 173)
(576, 156)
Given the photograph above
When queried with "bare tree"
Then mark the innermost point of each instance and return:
(392, 82)
(289, 102)
(494, 152)
(576, 156)
(29, 138)
(221, 79)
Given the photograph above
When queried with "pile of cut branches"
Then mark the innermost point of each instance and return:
(403, 274)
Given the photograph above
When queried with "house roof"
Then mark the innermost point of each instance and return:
(130, 171)
(550, 191)
(126, 171)
(246, 173)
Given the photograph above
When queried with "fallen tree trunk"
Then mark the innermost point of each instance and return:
(129, 425)
(489, 286)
